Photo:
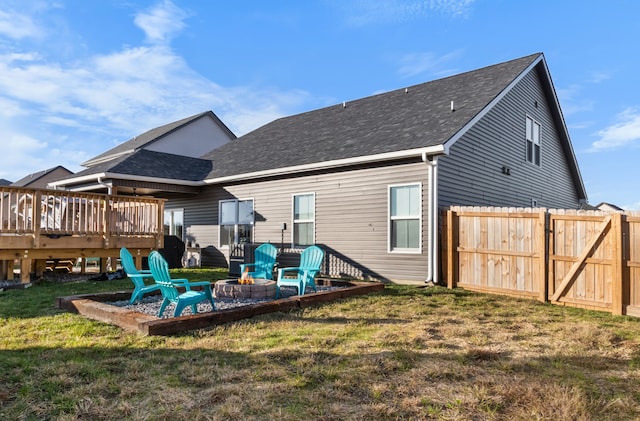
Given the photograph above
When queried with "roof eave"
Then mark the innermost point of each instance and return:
(575, 171)
(453, 139)
(99, 177)
(411, 153)
(571, 156)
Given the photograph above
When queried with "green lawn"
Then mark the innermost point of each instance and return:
(405, 353)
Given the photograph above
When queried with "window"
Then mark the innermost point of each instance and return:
(533, 141)
(174, 222)
(405, 209)
(304, 219)
(236, 222)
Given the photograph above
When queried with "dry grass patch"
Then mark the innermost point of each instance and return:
(405, 353)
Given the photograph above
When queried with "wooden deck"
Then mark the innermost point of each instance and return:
(43, 225)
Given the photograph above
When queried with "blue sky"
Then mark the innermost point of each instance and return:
(78, 77)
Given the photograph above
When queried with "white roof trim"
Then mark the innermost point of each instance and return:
(95, 161)
(431, 150)
(108, 175)
(89, 177)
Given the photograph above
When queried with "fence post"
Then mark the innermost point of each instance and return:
(452, 249)
(541, 229)
(617, 290)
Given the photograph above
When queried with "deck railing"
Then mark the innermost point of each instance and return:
(62, 213)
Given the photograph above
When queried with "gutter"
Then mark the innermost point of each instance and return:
(98, 179)
(431, 150)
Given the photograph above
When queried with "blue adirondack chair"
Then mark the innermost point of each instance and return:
(264, 261)
(136, 276)
(169, 288)
(310, 261)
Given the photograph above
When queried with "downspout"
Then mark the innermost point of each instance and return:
(434, 223)
(432, 219)
(104, 185)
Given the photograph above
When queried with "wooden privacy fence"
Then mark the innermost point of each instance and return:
(588, 259)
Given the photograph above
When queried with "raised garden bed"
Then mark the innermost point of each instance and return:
(97, 307)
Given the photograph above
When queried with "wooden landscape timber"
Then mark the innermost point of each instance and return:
(95, 306)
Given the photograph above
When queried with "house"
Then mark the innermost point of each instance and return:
(608, 207)
(365, 179)
(163, 159)
(42, 178)
(36, 180)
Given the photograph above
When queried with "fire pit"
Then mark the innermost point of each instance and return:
(231, 288)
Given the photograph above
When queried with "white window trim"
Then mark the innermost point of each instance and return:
(294, 221)
(403, 250)
(533, 141)
(253, 222)
(171, 224)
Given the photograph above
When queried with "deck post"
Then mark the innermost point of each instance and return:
(6, 269)
(40, 267)
(25, 270)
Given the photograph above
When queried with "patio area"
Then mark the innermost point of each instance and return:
(99, 307)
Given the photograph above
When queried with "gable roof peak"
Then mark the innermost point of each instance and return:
(152, 135)
(409, 120)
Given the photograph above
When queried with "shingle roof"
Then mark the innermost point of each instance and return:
(151, 136)
(403, 122)
(145, 163)
(419, 116)
(33, 177)
(4, 182)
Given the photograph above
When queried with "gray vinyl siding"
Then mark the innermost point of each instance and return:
(200, 222)
(472, 173)
(351, 219)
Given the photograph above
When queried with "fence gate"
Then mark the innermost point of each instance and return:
(631, 247)
(585, 259)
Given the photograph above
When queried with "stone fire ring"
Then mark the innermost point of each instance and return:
(230, 288)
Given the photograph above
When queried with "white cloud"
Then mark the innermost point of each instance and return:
(419, 63)
(570, 100)
(16, 25)
(84, 107)
(18, 152)
(598, 77)
(366, 12)
(625, 132)
(162, 22)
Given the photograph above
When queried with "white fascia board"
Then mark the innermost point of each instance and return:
(490, 106)
(92, 162)
(431, 150)
(86, 178)
(107, 175)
